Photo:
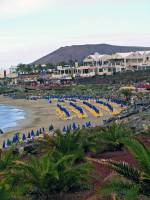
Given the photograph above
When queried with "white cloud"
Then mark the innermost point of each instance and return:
(13, 8)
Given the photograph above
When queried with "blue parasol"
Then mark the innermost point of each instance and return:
(24, 137)
(37, 133)
(64, 129)
(4, 144)
(29, 135)
(32, 133)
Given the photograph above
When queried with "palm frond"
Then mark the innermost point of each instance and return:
(121, 168)
(125, 170)
(6, 158)
(140, 152)
(4, 195)
(122, 188)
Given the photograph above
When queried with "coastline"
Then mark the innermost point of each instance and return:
(22, 124)
(39, 114)
(36, 115)
(17, 115)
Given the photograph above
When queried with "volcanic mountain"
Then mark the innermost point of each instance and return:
(79, 52)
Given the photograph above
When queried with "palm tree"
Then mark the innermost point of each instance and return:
(88, 139)
(82, 141)
(20, 69)
(43, 177)
(133, 181)
(39, 68)
(69, 143)
(110, 137)
(28, 69)
(4, 195)
(78, 142)
(23, 69)
(6, 159)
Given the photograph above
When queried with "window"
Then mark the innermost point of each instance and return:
(85, 71)
(105, 62)
(100, 70)
(109, 69)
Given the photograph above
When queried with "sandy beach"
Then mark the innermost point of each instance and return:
(41, 114)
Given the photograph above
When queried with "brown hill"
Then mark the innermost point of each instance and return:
(79, 52)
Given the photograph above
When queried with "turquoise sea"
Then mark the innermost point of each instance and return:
(9, 116)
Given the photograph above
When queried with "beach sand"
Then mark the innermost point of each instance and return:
(39, 114)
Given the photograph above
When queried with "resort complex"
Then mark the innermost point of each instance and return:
(74, 100)
(76, 131)
(91, 66)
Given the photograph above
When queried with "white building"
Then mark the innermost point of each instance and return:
(96, 60)
(90, 71)
(120, 61)
(63, 72)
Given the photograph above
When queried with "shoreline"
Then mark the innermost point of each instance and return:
(17, 121)
(22, 124)
(34, 116)
(41, 114)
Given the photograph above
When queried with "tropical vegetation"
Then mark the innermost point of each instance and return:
(61, 164)
(130, 182)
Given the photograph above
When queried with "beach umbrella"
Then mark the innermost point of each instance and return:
(89, 124)
(8, 142)
(17, 137)
(4, 144)
(37, 133)
(74, 126)
(40, 131)
(14, 139)
(32, 133)
(29, 135)
(24, 137)
(51, 128)
(64, 129)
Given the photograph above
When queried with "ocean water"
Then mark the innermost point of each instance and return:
(10, 116)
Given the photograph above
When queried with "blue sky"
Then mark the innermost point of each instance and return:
(30, 29)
